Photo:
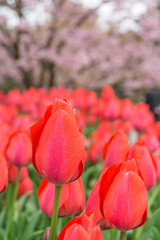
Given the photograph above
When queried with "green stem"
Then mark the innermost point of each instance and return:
(122, 235)
(16, 188)
(154, 195)
(14, 197)
(52, 233)
(134, 234)
(9, 197)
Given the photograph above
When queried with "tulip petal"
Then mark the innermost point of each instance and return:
(36, 131)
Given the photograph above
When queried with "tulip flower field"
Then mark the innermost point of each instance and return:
(77, 166)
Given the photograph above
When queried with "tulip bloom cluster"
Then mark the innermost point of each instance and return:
(47, 133)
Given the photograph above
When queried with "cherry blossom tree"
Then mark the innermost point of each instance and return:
(70, 47)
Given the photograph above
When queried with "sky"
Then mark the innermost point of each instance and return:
(105, 13)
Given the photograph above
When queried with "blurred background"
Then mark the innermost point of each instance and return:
(91, 44)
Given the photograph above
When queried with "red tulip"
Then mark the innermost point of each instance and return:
(3, 173)
(151, 140)
(125, 126)
(58, 145)
(72, 199)
(107, 93)
(142, 118)
(46, 234)
(3, 138)
(25, 187)
(19, 150)
(97, 139)
(13, 171)
(145, 162)
(83, 227)
(93, 205)
(115, 149)
(126, 109)
(112, 110)
(157, 160)
(123, 196)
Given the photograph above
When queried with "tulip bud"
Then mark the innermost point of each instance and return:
(58, 145)
(72, 199)
(123, 196)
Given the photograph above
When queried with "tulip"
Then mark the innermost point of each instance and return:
(83, 227)
(3, 138)
(157, 160)
(123, 196)
(13, 171)
(151, 141)
(145, 162)
(126, 109)
(142, 118)
(112, 110)
(125, 126)
(46, 234)
(3, 173)
(72, 199)
(107, 93)
(25, 187)
(19, 150)
(93, 205)
(58, 145)
(115, 150)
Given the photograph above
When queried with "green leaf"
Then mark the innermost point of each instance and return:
(31, 224)
(144, 232)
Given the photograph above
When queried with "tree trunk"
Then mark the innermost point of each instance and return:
(27, 79)
(51, 74)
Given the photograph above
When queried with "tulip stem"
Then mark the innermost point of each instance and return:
(15, 191)
(134, 234)
(52, 233)
(122, 235)
(9, 197)
(154, 195)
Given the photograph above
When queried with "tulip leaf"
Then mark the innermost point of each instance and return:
(31, 223)
(144, 232)
(2, 217)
